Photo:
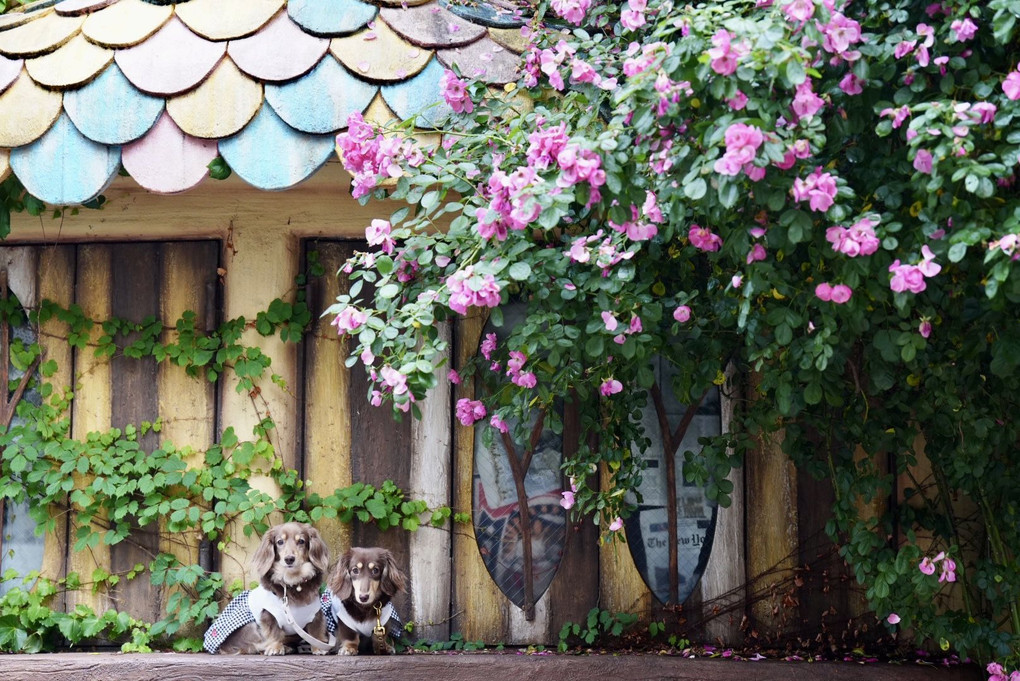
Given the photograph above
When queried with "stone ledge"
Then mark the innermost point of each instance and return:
(453, 667)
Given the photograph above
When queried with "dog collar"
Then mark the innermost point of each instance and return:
(364, 628)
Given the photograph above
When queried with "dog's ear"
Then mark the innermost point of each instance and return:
(393, 578)
(318, 552)
(340, 579)
(265, 555)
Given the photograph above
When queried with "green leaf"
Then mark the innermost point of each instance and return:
(696, 189)
(520, 271)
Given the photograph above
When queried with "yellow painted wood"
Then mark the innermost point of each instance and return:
(378, 53)
(125, 23)
(186, 404)
(26, 112)
(260, 265)
(227, 19)
(772, 528)
(319, 207)
(40, 36)
(620, 583)
(326, 412)
(5, 164)
(378, 113)
(479, 606)
(223, 104)
(91, 408)
(54, 284)
(510, 38)
(72, 65)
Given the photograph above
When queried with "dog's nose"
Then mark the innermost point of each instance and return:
(289, 560)
(363, 598)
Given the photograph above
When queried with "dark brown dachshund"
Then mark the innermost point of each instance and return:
(291, 562)
(363, 582)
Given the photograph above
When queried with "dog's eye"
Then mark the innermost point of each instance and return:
(279, 542)
(300, 542)
(355, 571)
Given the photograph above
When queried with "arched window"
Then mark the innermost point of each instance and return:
(519, 523)
(21, 549)
(670, 506)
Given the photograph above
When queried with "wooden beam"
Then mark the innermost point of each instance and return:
(460, 667)
(723, 589)
(431, 569)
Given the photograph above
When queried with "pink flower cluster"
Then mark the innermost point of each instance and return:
(468, 289)
(548, 62)
(512, 204)
(367, 155)
(839, 293)
(349, 319)
(858, 239)
(997, 673)
(470, 411)
(703, 238)
(840, 33)
(724, 54)
(637, 229)
(920, 51)
(610, 386)
(606, 255)
(1011, 85)
(571, 10)
(799, 11)
(514, 366)
(963, 29)
(393, 383)
(927, 566)
(1007, 244)
(742, 142)
(819, 189)
(378, 234)
(911, 277)
(641, 58)
(567, 501)
(806, 103)
(682, 313)
(549, 146)
(455, 92)
(612, 324)
(633, 17)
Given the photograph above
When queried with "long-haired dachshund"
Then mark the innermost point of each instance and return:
(291, 563)
(362, 583)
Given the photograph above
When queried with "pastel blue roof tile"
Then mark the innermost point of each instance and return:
(269, 154)
(111, 110)
(321, 101)
(65, 167)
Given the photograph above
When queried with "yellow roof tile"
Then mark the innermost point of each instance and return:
(377, 53)
(26, 112)
(125, 23)
(5, 164)
(510, 38)
(40, 36)
(226, 19)
(378, 113)
(71, 65)
(220, 106)
(18, 18)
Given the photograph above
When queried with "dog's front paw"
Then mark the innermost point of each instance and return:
(348, 648)
(275, 649)
(320, 651)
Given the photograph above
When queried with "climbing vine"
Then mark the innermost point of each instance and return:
(106, 485)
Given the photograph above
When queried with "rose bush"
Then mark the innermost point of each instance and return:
(822, 194)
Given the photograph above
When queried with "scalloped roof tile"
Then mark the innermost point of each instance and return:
(162, 88)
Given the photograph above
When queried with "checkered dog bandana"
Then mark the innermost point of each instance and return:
(239, 613)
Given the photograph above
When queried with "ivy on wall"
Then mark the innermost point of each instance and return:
(106, 485)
